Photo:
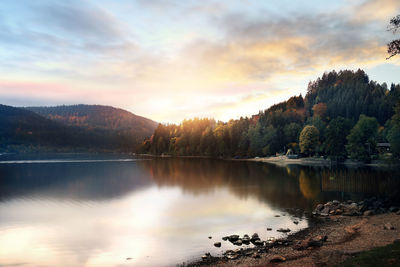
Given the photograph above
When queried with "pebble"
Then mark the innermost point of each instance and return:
(256, 255)
(388, 226)
(277, 258)
(368, 213)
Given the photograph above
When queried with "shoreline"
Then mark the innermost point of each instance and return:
(328, 241)
(283, 161)
(320, 162)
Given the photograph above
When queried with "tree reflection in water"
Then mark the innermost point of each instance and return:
(282, 187)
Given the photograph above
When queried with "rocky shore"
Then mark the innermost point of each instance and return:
(340, 230)
(366, 207)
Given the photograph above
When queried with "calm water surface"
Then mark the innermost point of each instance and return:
(100, 210)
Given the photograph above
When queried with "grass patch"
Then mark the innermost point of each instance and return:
(383, 256)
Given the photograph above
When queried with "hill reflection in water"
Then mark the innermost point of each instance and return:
(281, 187)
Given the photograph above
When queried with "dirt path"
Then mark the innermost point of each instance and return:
(346, 236)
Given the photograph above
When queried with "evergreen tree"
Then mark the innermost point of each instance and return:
(335, 142)
(394, 132)
(362, 139)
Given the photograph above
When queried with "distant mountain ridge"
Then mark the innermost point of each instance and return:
(72, 128)
(97, 116)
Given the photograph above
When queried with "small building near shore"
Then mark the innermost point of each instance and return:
(383, 148)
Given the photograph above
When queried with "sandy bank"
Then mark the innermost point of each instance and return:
(283, 160)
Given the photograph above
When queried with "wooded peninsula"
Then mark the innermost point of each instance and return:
(343, 115)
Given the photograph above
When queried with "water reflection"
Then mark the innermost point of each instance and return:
(283, 187)
(266, 183)
(160, 211)
(77, 181)
(367, 181)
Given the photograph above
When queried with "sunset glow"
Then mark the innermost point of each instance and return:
(170, 60)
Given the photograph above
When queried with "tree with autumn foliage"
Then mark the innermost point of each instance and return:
(309, 139)
(320, 110)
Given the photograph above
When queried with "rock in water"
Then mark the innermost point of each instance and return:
(238, 242)
(255, 236)
(246, 239)
(233, 238)
(258, 243)
(283, 230)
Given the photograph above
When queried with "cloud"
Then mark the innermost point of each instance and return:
(376, 10)
(258, 48)
(79, 19)
(213, 58)
(61, 30)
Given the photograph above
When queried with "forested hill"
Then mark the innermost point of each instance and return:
(343, 114)
(350, 94)
(24, 130)
(97, 116)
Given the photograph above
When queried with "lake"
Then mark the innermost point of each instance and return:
(117, 210)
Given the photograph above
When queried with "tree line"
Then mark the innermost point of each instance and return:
(25, 131)
(343, 115)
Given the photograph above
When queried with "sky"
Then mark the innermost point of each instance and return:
(172, 60)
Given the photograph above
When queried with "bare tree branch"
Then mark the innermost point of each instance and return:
(394, 46)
